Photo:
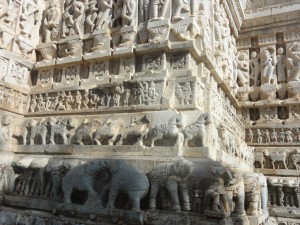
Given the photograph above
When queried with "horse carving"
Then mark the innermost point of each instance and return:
(61, 128)
(168, 130)
(137, 129)
(38, 128)
(108, 131)
(197, 129)
(86, 132)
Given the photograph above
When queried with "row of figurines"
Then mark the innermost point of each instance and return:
(93, 15)
(140, 93)
(106, 179)
(81, 17)
(282, 159)
(271, 66)
(115, 132)
(264, 136)
(283, 192)
(13, 99)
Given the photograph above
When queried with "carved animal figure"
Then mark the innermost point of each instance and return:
(295, 158)
(38, 128)
(129, 180)
(172, 176)
(136, 129)
(276, 157)
(170, 129)
(197, 129)
(109, 130)
(260, 157)
(86, 131)
(83, 178)
(60, 128)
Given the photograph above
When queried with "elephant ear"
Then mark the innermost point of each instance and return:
(115, 166)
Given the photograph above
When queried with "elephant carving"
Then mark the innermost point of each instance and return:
(109, 131)
(129, 180)
(172, 176)
(83, 178)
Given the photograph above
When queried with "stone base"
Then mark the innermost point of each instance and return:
(288, 212)
(30, 202)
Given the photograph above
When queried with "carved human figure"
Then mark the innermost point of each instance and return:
(252, 194)
(259, 136)
(69, 101)
(267, 137)
(78, 100)
(280, 60)
(274, 135)
(29, 17)
(51, 21)
(172, 176)
(254, 68)
(86, 99)
(242, 69)
(282, 136)
(250, 136)
(33, 103)
(293, 62)
(280, 196)
(72, 18)
(289, 136)
(216, 195)
(6, 129)
(128, 12)
(180, 5)
(183, 93)
(105, 12)
(197, 198)
(268, 62)
(158, 9)
(91, 15)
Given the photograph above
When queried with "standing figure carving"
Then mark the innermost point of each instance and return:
(73, 18)
(158, 9)
(29, 17)
(243, 69)
(268, 62)
(91, 15)
(180, 5)
(170, 177)
(128, 12)
(51, 21)
(254, 68)
(104, 15)
(280, 60)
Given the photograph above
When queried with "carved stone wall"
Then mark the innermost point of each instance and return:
(149, 112)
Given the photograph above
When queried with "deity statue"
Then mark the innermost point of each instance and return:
(29, 17)
(51, 21)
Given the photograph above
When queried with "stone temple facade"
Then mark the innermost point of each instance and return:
(150, 112)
